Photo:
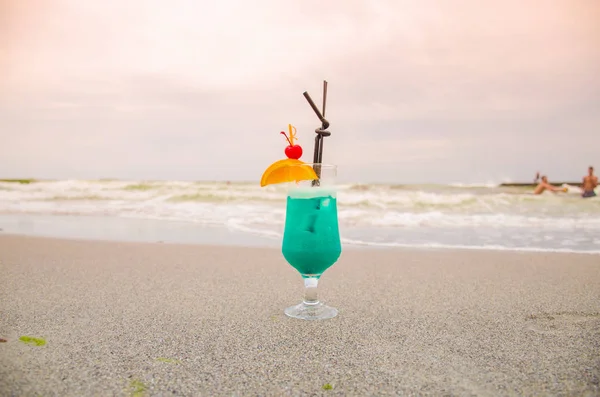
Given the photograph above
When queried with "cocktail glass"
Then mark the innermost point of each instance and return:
(311, 238)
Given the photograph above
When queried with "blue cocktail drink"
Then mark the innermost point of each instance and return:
(311, 239)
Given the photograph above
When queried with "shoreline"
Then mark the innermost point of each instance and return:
(277, 247)
(127, 229)
(121, 229)
(120, 317)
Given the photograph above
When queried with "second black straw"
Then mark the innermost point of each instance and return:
(321, 132)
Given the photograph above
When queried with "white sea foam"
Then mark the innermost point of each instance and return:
(387, 214)
(470, 247)
(471, 185)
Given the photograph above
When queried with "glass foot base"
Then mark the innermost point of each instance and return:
(317, 311)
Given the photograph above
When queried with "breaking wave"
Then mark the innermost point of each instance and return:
(386, 214)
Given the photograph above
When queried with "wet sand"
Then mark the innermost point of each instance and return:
(166, 319)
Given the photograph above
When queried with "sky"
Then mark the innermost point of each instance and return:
(427, 91)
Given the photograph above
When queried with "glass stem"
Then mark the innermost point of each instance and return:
(310, 291)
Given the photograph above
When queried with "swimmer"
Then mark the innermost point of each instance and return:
(543, 185)
(590, 182)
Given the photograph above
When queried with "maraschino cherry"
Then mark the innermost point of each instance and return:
(292, 151)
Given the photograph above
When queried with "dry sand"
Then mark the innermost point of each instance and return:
(155, 319)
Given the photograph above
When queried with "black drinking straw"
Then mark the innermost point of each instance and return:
(321, 132)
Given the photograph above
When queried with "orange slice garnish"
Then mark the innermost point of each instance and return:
(287, 170)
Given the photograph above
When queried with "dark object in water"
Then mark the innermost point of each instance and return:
(2, 340)
(557, 184)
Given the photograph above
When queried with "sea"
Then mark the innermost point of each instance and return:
(456, 216)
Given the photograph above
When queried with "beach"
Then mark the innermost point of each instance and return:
(169, 173)
(155, 319)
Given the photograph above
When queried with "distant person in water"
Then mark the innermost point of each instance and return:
(590, 182)
(543, 185)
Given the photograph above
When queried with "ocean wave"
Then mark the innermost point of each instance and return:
(141, 187)
(391, 214)
(475, 185)
(18, 181)
(385, 240)
(77, 198)
(487, 247)
(383, 197)
(441, 219)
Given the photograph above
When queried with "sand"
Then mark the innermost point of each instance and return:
(164, 319)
